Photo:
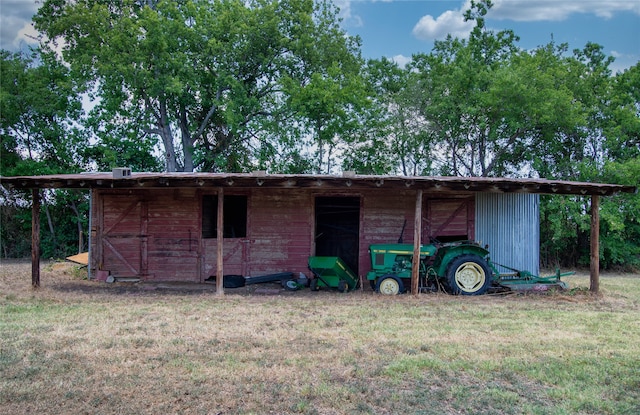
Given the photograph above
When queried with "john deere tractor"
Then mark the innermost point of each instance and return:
(461, 268)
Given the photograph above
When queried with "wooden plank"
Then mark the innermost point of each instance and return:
(220, 245)
(595, 245)
(450, 217)
(121, 217)
(118, 255)
(280, 232)
(35, 239)
(415, 265)
(144, 238)
(81, 258)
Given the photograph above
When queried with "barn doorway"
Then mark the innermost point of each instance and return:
(338, 228)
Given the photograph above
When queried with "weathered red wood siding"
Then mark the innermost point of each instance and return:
(156, 234)
(382, 218)
(117, 230)
(174, 233)
(149, 234)
(281, 231)
(449, 217)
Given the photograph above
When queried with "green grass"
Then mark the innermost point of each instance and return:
(82, 347)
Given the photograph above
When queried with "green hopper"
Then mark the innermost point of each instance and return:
(331, 271)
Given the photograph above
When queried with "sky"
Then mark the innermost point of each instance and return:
(397, 29)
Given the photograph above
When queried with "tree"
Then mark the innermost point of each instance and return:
(40, 134)
(621, 213)
(38, 107)
(622, 121)
(206, 77)
(394, 137)
(489, 104)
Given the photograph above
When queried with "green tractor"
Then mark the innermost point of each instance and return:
(460, 268)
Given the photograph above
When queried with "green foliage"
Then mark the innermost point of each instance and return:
(215, 81)
(37, 109)
(393, 136)
(620, 217)
(228, 85)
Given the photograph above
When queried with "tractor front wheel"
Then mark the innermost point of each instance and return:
(468, 275)
(389, 285)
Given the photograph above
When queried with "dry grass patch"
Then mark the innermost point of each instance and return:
(82, 347)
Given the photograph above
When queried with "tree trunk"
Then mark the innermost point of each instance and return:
(171, 164)
(187, 141)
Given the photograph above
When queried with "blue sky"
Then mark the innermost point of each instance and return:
(397, 29)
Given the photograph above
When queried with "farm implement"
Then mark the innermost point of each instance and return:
(332, 272)
(460, 268)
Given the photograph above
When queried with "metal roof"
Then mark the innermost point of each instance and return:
(317, 181)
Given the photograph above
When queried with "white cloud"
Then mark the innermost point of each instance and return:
(345, 13)
(450, 22)
(401, 60)
(15, 23)
(27, 34)
(557, 10)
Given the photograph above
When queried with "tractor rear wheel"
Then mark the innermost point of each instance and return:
(468, 275)
(389, 285)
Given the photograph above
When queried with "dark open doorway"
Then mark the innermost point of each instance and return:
(338, 228)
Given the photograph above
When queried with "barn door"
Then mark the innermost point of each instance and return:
(450, 220)
(123, 241)
(337, 228)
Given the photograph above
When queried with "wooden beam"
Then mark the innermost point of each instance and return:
(144, 238)
(417, 242)
(220, 244)
(595, 245)
(35, 239)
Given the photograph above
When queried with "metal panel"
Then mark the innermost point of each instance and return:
(510, 225)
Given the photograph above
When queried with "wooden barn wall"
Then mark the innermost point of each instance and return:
(281, 228)
(174, 233)
(156, 234)
(279, 236)
(148, 234)
(383, 215)
(448, 218)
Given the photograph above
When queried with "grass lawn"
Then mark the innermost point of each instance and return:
(75, 347)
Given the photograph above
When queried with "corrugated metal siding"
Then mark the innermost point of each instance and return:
(510, 225)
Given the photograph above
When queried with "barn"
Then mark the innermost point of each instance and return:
(191, 226)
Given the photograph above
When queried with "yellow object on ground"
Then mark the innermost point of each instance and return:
(81, 258)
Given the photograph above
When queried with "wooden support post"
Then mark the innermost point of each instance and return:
(144, 238)
(220, 244)
(35, 239)
(595, 244)
(417, 242)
